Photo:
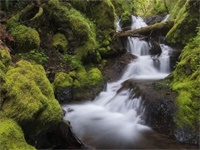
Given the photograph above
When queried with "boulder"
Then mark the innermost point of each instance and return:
(11, 135)
(28, 98)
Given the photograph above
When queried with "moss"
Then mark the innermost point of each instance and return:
(26, 38)
(86, 81)
(15, 20)
(34, 56)
(178, 6)
(105, 15)
(11, 136)
(5, 59)
(185, 24)
(82, 30)
(39, 14)
(30, 98)
(186, 81)
(60, 42)
(62, 80)
(94, 76)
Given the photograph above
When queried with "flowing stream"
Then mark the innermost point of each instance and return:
(114, 119)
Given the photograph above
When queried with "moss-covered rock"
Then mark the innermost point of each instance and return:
(5, 60)
(29, 98)
(63, 86)
(186, 81)
(185, 24)
(60, 42)
(78, 29)
(11, 136)
(26, 38)
(105, 15)
(87, 83)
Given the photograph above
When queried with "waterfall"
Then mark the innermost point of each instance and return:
(114, 119)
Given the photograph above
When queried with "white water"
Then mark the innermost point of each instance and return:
(114, 119)
(166, 18)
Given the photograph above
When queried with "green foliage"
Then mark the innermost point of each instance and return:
(186, 81)
(178, 6)
(125, 16)
(62, 80)
(35, 56)
(7, 4)
(26, 38)
(11, 136)
(60, 42)
(29, 97)
(185, 24)
(121, 6)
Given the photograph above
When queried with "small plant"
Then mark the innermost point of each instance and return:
(36, 56)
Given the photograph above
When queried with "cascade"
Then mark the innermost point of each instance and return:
(114, 119)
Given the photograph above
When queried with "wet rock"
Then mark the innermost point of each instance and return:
(155, 48)
(63, 95)
(126, 24)
(153, 19)
(159, 104)
(115, 66)
(60, 136)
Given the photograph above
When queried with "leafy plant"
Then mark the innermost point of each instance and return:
(36, 56)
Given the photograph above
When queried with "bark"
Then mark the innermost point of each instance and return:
(158, 28)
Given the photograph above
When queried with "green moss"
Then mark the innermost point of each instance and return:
(186, 81)
(94, 76)
(40, 13)
(62, 80)
(30, 97)
(5, 59)
(11, 136)
(185, 24)
(60, 42)
(105, 15)
(34, 56)
(82, 29)
(26, 38)
(178, 6)
(15, 20)
(86, 81)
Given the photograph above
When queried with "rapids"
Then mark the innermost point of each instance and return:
(114, 119)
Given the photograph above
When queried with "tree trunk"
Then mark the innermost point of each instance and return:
(161, 28)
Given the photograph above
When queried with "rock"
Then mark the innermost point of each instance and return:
(155, 48)
(29, 98)
(11, 135)
(159, 106)
(60, 136)
(114, 67)
(153, 19)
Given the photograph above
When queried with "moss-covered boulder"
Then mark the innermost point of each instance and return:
(185, 24)
(29, 98)
(26, 38)
(77, 28)
(63, 86)
(11, 135)
(186, 81)
(60, 42)
(87, 83)
(5, 60)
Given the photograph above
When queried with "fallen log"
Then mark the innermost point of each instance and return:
(161, 28)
